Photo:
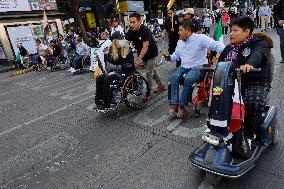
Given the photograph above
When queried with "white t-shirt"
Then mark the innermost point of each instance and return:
(104, 44)
(118, 28)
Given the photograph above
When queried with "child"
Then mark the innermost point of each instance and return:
(207, 24)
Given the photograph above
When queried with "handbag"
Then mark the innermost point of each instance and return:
(97, 72)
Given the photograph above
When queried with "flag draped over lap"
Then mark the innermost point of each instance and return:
(238, 110)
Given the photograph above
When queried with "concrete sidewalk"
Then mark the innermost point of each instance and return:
(6, 68)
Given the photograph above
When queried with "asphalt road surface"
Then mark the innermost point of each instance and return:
(50, 138)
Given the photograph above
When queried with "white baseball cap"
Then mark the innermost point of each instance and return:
(189, 11)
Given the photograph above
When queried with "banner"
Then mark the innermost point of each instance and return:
(94, 53)
(24, 35)
(14, 5)
(27, 5)
(43, 4)
(131, 6)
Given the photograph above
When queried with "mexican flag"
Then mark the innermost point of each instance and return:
(218, 36)
(238, 110)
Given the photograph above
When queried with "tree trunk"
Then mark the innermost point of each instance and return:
(82, 28)
(74, 7)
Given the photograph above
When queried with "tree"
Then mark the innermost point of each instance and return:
(72, 6)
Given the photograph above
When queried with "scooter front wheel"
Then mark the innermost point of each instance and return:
(213, 179)
(275, 133)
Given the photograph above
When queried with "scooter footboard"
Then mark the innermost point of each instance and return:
(219, 161)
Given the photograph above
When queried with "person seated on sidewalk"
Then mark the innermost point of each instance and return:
(119, 65)
(43, 52)
(23, 54)
(82, 50)
(57, 51)
(191, 50)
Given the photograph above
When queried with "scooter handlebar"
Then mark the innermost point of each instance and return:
(255, 70)
(208, 69)
(251, 70)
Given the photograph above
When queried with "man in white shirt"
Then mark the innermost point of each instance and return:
(105, 42)
(192, 51)
(264, 13)
(116, 27)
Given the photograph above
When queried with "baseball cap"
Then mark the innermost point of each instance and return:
(117, 35)
(180, 13)
(189, 11)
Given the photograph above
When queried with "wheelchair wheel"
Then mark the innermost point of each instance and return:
(134, 89)
(86, 62)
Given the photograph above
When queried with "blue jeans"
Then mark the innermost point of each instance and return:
(192, 76)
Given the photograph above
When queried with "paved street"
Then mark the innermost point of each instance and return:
(50, 138)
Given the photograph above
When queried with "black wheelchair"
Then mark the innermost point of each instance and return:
(129, 90)
(57, 62)
(85, 64)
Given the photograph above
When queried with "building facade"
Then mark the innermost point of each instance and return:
(21, 21)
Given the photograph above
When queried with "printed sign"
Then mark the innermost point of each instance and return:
(14, 5)
(24, 35)
(27, 5)
(94, 53)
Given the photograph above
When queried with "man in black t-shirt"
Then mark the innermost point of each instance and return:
(147, 51)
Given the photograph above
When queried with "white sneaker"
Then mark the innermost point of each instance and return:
(73, 70)
(91, 68)
(69, 70)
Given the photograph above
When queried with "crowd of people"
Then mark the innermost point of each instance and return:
(189, 41)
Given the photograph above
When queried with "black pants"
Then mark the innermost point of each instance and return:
(225, 30)
(172, 43)
(103, 92)
(172, 46)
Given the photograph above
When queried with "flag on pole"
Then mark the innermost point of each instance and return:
(238, 110)
(218, 36)
(170, 4)
(44, 20)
